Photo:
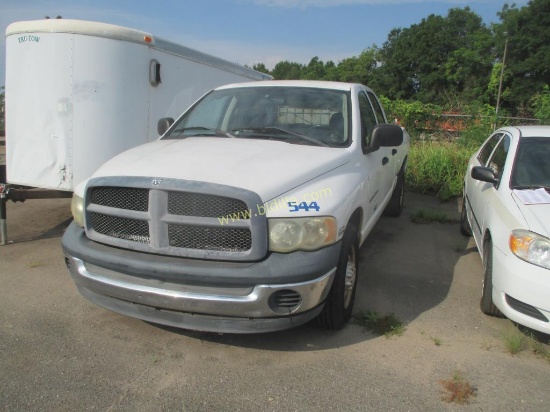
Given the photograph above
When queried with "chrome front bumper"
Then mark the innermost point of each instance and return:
(236, 309)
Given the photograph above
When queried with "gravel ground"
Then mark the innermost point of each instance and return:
(59, 352)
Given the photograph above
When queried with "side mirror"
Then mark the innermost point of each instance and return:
(384, 135)
(164, 124)
(484, 174)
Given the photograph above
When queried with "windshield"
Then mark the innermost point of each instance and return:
(298, 115)
(532, 166)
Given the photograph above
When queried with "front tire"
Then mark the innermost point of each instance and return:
(395, 205)
(486, 303)
(339, 304)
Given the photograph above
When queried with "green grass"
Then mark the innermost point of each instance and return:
(437, 168)
(430, 216)
(387, 325)
(514, 341)
(437, 341)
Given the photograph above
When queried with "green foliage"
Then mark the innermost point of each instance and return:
(450, 62)
(387, 325)
(413, 116)
(437, 168)
(528, 51)
(541, 105)
(424, 216)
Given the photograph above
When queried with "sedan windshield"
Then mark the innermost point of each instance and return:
(532, 166)
(298, 115)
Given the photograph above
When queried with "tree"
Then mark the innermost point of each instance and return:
(260, 67)
(528, 51)
(440, 60)
(286, 70)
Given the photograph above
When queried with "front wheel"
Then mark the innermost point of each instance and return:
(339, 304)
(486, 303)
(395, 206)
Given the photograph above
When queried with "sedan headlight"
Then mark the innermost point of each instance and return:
(288, 235)
(531, 247)
(77, 210)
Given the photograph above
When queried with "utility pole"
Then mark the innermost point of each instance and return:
(500, 82)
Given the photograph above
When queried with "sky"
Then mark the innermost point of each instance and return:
(254, 31)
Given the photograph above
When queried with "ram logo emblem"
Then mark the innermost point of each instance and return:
(156, 182)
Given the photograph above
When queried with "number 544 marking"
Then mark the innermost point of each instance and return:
(296, 207)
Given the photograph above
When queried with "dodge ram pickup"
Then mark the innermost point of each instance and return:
(246, 215)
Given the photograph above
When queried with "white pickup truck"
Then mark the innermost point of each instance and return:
(246, 215)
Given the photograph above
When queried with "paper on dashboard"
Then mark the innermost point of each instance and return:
(533, 196)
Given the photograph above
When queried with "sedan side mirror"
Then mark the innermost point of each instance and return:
(484, 174)
(164, 124)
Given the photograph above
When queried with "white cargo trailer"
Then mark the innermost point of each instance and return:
(80, 92)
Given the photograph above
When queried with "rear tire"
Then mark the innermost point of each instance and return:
(465, 227)
(339, 304)
(486, 303)
(395, 205)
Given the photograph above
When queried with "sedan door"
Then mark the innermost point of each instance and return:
(479, 193)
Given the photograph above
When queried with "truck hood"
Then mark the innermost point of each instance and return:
(537, 216)
(268, 168)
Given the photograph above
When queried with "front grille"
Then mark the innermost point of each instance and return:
(209, 238)
(194, 204)
(121, 198)
(120, 228)
(215, 223)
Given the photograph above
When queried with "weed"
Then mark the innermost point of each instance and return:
(437, 168)
(437, 341)
(428, 216)
(514, 341)
(387, 325)
(458, 389)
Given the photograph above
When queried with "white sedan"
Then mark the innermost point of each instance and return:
(507, 210)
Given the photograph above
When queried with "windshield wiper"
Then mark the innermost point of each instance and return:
(201, 128)
(266, 132)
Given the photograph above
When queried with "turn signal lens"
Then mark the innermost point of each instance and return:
(531, 247)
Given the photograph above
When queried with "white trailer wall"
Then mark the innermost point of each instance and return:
(78, 93)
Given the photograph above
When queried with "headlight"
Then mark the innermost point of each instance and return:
(287, 235)
(77, 210)
(531, 247)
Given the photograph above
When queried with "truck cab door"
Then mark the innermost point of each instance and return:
(375, 164)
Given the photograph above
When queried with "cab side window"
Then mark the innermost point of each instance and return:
(488, 148)
(498, 159)
(368, 119)
(377, 108)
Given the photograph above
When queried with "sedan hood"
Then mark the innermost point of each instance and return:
(537, 216)
(268, 168)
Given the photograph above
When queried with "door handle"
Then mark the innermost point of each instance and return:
(385, 160)
(394, 152)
